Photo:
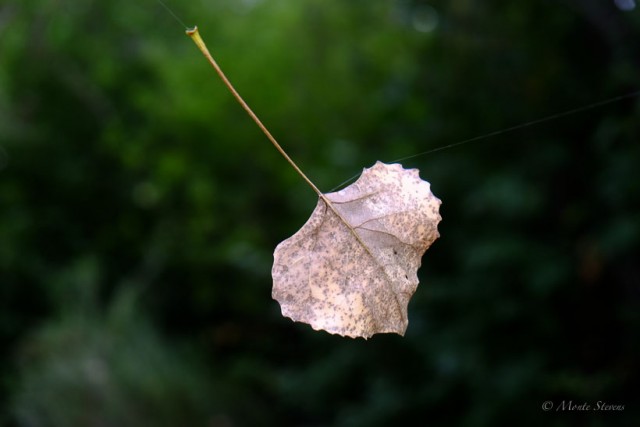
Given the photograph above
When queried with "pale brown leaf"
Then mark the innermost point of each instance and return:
(352, 268)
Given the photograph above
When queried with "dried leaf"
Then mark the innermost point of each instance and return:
(352, 268)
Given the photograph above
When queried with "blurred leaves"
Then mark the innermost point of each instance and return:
(111, 369)
(127, 173)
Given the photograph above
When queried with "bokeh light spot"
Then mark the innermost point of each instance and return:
(424, 19)
(625, 5)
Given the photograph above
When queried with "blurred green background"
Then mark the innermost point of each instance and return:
(139, 208)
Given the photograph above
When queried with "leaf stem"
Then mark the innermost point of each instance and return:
(195, 36)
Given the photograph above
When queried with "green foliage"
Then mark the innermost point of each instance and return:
(139, 208)
(91, 368)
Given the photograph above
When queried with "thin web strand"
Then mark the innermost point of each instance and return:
(526, 124)
(506, 130)
(168, 9)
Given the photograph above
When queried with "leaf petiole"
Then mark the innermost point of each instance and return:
(195, 36)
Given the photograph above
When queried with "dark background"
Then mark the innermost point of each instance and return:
(139, 208)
